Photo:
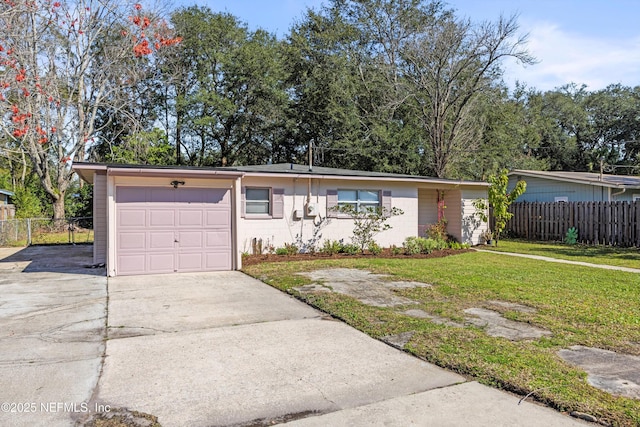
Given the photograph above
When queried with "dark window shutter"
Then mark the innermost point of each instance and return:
(332, 203)
(386, 203)
(277, 198)
(243, 202)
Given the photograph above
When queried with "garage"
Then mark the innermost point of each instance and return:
(168, 230)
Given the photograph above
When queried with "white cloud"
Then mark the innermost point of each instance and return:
(576, 58)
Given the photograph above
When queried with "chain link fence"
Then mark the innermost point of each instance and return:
(42, 231)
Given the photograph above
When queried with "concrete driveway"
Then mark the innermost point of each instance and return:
(52, 325)
(220, 349)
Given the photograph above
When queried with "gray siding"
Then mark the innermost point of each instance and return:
(100, 219)
(546, 190)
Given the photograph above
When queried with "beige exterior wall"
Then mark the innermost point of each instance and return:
(472, 226)
(427, 209)
(292, 229)
(100, 236)
(453, 213)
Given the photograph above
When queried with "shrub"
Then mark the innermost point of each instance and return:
(571, 237)
(411, 245)
(437, 231)
(420, 245)
(287, 249)
(331, 247)
(374, 248)
(350, 249)
(291, 248)
(396, 250)
(368, 223)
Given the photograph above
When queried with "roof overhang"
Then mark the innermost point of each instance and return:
(427, 182)
(87, 171)
(592, 182)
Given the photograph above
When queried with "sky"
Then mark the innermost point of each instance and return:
(591, 42)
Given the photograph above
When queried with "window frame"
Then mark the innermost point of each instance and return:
(269, 202)
(358, 202)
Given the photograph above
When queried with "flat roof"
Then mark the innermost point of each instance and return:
(589, 178)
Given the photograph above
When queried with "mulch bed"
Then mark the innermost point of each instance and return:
(386, 253)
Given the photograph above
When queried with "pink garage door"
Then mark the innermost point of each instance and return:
(167, 230)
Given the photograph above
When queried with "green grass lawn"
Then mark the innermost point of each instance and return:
(579, 305)
(54, 238)
(609, 255)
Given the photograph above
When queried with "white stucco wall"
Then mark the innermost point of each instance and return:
(289, 229)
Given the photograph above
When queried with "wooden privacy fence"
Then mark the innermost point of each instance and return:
(604, 223)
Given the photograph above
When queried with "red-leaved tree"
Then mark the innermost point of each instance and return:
(60, 63)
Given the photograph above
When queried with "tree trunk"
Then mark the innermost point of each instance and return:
(58, 208)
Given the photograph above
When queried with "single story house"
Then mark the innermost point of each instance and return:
(4, 196)
(557, 186)
(7, 210)
(151, 219)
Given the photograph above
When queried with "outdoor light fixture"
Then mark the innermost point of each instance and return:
(176, 183)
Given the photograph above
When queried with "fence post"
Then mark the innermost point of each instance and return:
(28, 232)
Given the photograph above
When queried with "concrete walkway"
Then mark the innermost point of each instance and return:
(206, 349)
(564, 261)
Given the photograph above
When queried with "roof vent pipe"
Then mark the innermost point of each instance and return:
(310, 155)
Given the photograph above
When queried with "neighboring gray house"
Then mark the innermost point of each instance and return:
(558, 186)
(4, 196)
(7, 211)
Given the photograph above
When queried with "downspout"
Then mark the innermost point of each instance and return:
(617, 194)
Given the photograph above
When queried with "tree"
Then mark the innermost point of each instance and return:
(61, 62)
(499, 200)
(449, 65)
(227, 99)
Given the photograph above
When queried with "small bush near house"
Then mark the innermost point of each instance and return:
(420, 245)
(374, 248)
(287, 249)
(331, 247)
(350, 249)
(368, 222)
(437, 231)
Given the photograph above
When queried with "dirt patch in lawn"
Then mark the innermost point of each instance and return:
(615, 373)
(372, 289)
(377, 290)
(386, 253)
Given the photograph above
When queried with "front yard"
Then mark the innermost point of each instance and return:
(609, 255)
(577, 305)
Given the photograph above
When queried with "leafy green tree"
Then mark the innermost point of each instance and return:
(27, 203)
(228, 90)
(499, 200)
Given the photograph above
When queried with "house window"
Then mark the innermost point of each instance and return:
(636, 197)
(561, 199)
(361, 200)
(258, 201)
